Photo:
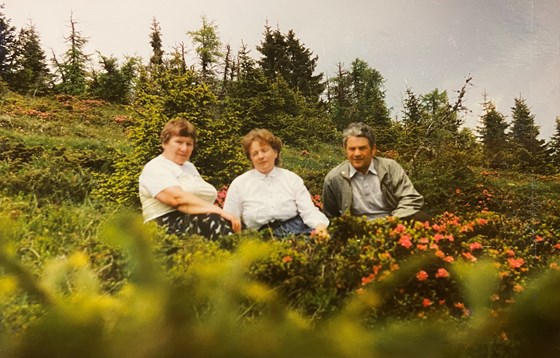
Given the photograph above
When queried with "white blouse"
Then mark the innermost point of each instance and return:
(161, 173)
(279, 195)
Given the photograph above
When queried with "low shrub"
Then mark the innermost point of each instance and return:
(374, 289)
(55, 174)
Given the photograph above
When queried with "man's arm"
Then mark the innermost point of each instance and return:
(408, 199)
(330, 206)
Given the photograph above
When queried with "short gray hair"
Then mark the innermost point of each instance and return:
(358, 130)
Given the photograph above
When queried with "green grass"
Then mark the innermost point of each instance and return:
(105, 285)
(61, 120)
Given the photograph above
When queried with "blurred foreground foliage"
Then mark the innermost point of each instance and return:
(462, 286)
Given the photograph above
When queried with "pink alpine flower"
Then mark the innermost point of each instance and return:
(515, 263)
(400, 229)
(442, 273)
(405, 241)
(475, 246)
(427, 302)
(422, 247)
(481, 221)
(469, 256)
(449, 259)
(422, 275)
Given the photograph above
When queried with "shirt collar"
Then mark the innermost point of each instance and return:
(273, 173)
(371, 169)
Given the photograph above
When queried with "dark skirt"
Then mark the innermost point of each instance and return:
(211, 226)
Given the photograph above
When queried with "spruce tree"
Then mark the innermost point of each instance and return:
(156, 58)
(492, 133)
(300, 68)
(554, 148)
(340, 98)
(72, 71)
(529, 150)
(413, 123)
(358, 95)
(32, 75)
(369, 99)
(7, 47)
(208, 48)
(285, 56)
(114, 83)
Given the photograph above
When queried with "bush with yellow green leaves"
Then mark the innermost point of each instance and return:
(372, 289)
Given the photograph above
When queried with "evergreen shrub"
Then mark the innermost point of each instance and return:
(382, 288)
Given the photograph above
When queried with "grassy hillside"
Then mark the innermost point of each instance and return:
(81, 275)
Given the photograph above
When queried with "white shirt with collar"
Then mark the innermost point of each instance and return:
(279, 195)
(161, 173)
(367, 197)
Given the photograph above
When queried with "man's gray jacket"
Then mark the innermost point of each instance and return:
(395, 185)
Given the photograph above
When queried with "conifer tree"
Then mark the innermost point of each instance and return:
(32, 75)
(285, 56)
(72, 71)
(530, 150)
(178, 60)
(370, 93)
(492, 134)
(208, 48)
(427, 121)
(358, 95)
(156, 43)
(554, 147)
(114, 83)
(340, 99)
(413, 123)
(436, 153)
(246, 65)
(7, 47)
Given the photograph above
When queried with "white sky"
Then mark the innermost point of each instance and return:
(509, 47)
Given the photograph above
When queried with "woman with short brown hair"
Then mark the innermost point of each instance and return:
(272, 198)
(173, 193)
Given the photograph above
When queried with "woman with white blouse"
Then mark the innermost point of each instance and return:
(272, 198)
(173, 193)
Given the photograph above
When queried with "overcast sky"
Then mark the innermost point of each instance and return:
(511, 48)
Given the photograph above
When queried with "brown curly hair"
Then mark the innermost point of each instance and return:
(261, 135)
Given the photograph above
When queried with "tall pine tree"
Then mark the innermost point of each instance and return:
(529, 150)
(340, 98)
(156, 59)
(31, 74)
(358, 95)
(7, 47)
(285, 56)
(114, 83)
(492, 133)
(554, 148)
(208, 48)
(72, 71)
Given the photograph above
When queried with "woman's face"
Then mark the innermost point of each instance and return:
(263, 156)
(178, 149)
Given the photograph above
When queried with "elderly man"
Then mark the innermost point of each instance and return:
(369, 185)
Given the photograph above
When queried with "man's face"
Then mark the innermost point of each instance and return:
(359, 153)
